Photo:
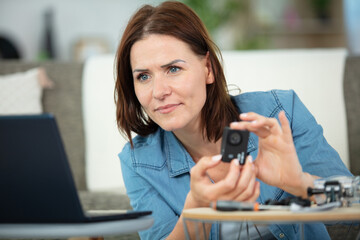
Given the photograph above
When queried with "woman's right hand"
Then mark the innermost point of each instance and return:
(238, 185)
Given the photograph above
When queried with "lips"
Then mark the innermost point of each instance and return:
(167, 108)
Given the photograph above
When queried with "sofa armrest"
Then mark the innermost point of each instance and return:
(352, 103)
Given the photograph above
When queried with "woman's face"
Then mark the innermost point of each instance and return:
(170, 81)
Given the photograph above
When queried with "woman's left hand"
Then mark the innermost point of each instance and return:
(277, 162)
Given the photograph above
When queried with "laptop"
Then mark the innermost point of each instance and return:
(36, 183)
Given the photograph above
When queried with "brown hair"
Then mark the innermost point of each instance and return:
(177, 20)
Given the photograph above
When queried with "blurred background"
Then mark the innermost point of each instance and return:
(67, 30)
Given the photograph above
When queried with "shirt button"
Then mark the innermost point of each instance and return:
(281, 235)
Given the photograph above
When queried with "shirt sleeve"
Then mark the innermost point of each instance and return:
(144, 197)
(315, 154)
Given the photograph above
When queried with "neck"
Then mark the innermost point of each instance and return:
(198, 146)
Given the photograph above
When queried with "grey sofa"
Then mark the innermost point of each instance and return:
(65, 102)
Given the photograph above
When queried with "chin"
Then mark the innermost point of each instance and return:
(171, 127)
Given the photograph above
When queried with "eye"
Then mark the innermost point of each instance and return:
(174, 69)
(142, 77)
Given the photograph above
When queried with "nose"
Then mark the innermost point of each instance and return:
(161, 88)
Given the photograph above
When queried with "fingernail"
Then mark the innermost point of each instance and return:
(250, 159)
(234, 123)
(216, 158)
(243, 114)
(236, 162)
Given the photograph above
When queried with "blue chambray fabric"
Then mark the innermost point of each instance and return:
(156, 171)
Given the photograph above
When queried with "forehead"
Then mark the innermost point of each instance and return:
(160, 49)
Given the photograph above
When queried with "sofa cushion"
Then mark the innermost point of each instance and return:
(20, 93)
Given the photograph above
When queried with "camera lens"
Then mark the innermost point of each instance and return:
(235, 138)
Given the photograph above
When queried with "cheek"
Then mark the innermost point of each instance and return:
(199, 85)
(142, 95)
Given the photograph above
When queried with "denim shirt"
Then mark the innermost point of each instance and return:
(156, 171)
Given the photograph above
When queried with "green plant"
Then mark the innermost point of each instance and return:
(215, 13)
(321, 8)
(224, 13)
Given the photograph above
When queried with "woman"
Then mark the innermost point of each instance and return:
(171, 91)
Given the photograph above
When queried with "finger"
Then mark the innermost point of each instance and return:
(256, 168)
(250, 116)
(246, 180)
(247, 192)
(199, 170)
(257, 119)
(285, 126)
(250, 126)
(247, 172)
(255, 194)
(270, 124)
(227, 184)
(262, 127)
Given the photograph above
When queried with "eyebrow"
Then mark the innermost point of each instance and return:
(162, 66)
(171, 63)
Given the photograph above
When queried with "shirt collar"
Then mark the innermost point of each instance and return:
(178, 159)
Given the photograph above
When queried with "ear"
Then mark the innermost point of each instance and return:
(209, 70)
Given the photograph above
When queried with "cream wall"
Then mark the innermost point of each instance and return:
(22, 21)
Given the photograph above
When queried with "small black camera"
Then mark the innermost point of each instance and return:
(234, 145)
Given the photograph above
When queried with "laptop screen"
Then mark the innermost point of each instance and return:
(35, 178)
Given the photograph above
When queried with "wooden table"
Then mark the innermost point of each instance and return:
(209, 215)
